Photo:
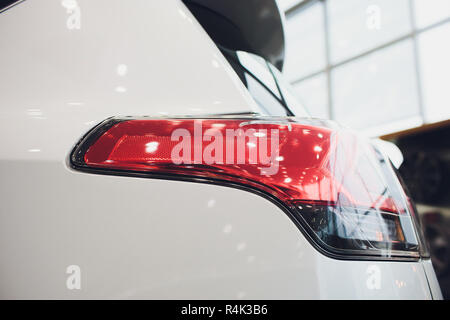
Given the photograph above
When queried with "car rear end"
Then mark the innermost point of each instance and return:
(92, 93)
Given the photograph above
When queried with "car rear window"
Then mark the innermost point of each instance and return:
(4, 4)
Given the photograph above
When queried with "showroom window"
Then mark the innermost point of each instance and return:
(343, 58)
(356, 26)
(434, 69)
(305, 44)
(379, 86)
(428, 12)
(313, 92)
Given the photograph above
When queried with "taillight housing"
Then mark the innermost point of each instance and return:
(341, 192)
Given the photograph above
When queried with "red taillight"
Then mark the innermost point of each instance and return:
(330, 182)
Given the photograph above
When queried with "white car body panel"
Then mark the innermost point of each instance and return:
(432, 280)
(109, 67)
(134, 237)
(146, 238)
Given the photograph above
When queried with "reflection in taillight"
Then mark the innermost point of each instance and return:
(332, 184)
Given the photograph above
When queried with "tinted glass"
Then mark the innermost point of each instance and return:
(6, 3)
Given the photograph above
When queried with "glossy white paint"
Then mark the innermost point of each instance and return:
(140, 238)
(144, 238)
(432, 280)
(158, 62)
(390, 150)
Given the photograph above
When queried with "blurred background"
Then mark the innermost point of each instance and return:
(382, 67)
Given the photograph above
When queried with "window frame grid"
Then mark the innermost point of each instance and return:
(413, 35)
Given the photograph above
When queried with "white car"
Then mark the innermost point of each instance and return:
(150, 149)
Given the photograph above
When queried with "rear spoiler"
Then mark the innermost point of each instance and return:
(254, 26)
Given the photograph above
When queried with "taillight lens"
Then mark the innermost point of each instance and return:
(334, 185)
